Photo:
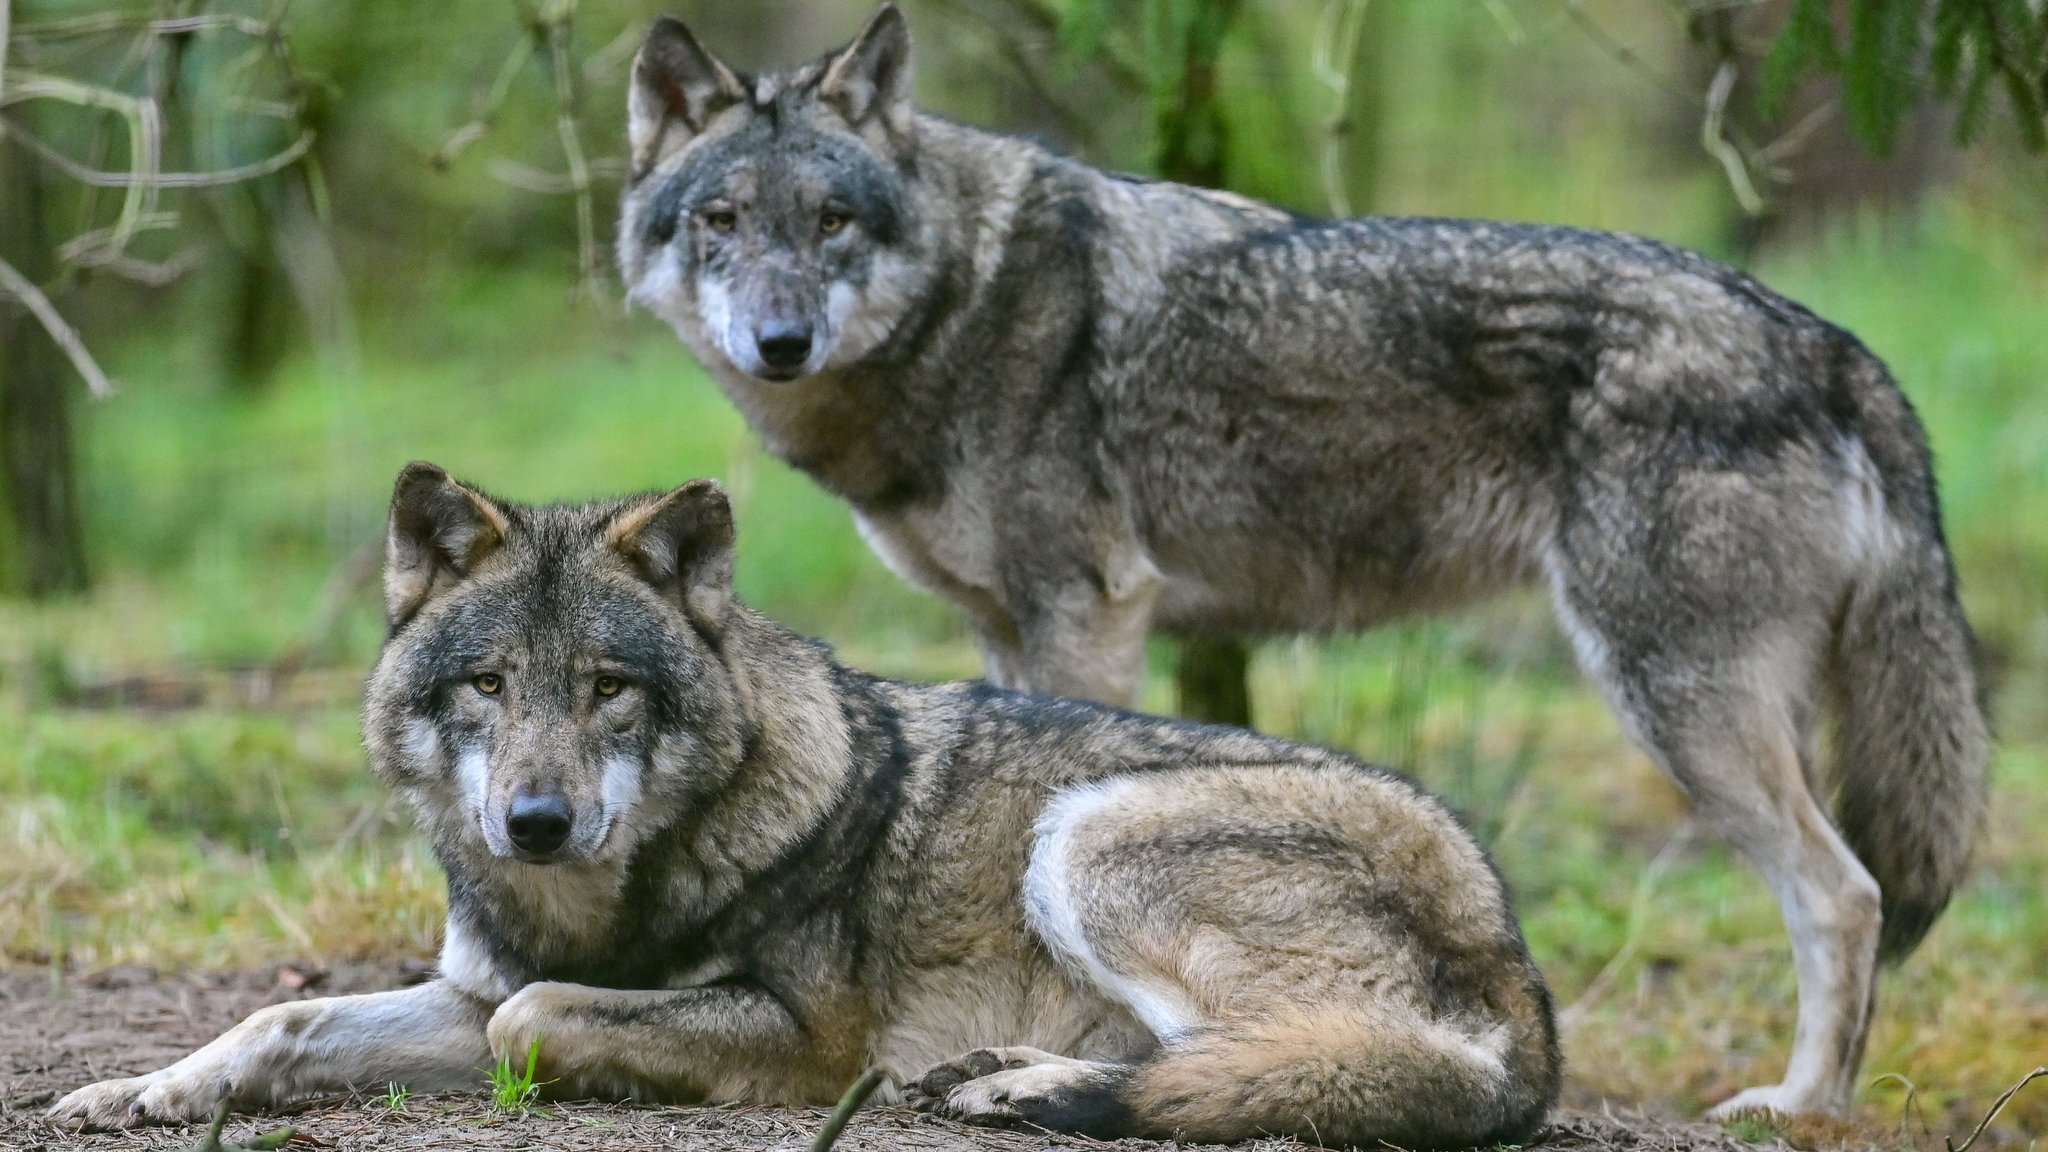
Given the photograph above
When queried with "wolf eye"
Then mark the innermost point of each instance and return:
(608, 686)
(489, 683)
(832, 222)
(722, 221)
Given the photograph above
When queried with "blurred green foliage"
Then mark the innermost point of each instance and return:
(1966, 48)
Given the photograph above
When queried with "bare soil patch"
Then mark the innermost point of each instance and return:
(58, 1033)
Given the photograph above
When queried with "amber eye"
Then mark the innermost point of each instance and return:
(608, 686)
(832, 222)
(489, 683)
(722, 222)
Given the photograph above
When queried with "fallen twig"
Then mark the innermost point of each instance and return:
(855, 1096)
(265, 1142)
(2029, 1078)
(1905, 1109)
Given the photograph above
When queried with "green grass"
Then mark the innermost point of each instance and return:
(516, 1090)
(232, 834)
(1756, 1127)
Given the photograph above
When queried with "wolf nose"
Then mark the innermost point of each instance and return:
(784, 346)
(538, 824)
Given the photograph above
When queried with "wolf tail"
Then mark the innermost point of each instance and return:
(1913, 740)
(1349, 1076)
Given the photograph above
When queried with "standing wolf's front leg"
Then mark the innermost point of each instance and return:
(720, 1043)
(430, 1038)
(1081, 631)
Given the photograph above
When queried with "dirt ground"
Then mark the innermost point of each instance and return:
(57, 1034)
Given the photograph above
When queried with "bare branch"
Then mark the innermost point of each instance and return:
(1715, 140)
(2030, 1077)
(487, 111)
(144, 137)
(23, 289)
(142, 183)
(1336, 53)
(93, 246)
(1714, 106)
(116, 21)
(599, 65)
(6, 39)
(566, 108)
(100, 178)
(1622, 54)
(527, 178)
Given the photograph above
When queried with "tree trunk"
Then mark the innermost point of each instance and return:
(1210, 676)
(42, 543)
(1212, 682)
(1194, 142)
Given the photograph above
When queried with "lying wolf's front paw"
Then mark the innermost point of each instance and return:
(107, 1104)
(151, 1099)
(536, 1012)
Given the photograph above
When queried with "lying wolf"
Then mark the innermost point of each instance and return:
(697, 860)
(1082, 405)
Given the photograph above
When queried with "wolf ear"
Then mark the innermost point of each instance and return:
(872, 75)
(682, 543)
(677, 88)
(440, 530)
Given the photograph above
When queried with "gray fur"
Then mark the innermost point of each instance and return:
(780, 871)
(1082, 406)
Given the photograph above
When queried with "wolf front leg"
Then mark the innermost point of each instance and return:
(429, 1038)
(1084, 635)
(722, 1043)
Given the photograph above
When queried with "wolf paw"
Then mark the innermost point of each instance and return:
(1782, 1099)
(1002, 1087)
(930, 1091)
(151, 1099)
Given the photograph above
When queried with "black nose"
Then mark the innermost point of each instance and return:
(538, 824)
(784, 345)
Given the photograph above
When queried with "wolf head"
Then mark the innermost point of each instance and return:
(771, 220)
(551, 690)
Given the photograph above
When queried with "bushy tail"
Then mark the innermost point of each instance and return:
(1913, 741)
(1350, 1077)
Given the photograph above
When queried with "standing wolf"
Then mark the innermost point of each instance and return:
(1080, 405)
(696, 859)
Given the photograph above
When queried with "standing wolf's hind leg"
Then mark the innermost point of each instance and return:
(1731, 734)
(1748, 783)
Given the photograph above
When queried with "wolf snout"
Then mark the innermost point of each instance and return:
(539, 825)
(784, 346)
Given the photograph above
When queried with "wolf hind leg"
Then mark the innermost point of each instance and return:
(1748, 782)
(1737, 736)
(1317, 950)
(1004, 1087)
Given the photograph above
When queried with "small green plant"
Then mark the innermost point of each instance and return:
(1755, 1127)
(394, 1097)
(516, 1091)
